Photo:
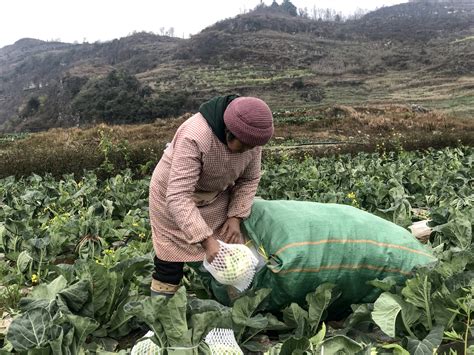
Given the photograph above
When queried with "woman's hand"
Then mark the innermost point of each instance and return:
(211, 246)
(231, 231)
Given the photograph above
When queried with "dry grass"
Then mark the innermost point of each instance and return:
(59, 151)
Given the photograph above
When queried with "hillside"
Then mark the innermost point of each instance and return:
(413, 53)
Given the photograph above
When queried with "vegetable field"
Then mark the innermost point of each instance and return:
(76, 263)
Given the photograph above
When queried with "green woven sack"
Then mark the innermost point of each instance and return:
(309, 243)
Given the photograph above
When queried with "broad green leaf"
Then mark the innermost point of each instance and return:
(147, 310)
(23, 261)
(117, 325)
(319, 337)
(173, 318)
(107, 344)
(462, 279)
(106, 287)
(27, 304)
(204, 349)
(442, 301)
(418, 292)
(100, 332)
(255, 325)
(39, 243)
(318, 302)
(245, 306)
(385, 285)
(428, 345)
(166, 317)
(202, 323)
(453, 264)
(116, 286)
(274, 323)
(31, 330)
(458, 230)
(42, 351)
(49, 291)
(76, 295)
(397, 349)
(296, 317)
(82, 327)
(360, 313)
(132, 266)
(386, 309)
(293, 344)
(57, 343)
(243, 309)
(410, 314)
(65, 270)
(340, 344)
(69, 345)
(258, 321)
(197, 305)
(258, 346)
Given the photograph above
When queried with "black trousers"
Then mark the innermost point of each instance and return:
(168, 271)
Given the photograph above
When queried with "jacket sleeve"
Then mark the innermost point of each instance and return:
(245, 187)
(184, 174)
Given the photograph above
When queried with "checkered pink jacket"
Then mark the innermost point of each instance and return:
(196, 186)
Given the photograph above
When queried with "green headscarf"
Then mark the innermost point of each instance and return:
(213, 112)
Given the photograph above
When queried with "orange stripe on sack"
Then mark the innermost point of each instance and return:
(343, 266)
(354, 241)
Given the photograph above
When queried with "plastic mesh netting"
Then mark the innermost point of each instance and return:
(222, 342)
(146, 346)
(233, 265)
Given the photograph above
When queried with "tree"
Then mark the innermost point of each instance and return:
(288, 7)
(261, 6)
(303, 12)
(31, 107)
(358, 13)
(117, 97)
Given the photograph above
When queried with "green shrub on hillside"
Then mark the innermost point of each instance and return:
(120, 98)
(31, 107)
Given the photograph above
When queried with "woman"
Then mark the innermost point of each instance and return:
(205, 183)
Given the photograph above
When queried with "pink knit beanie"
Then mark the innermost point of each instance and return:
(250, 120)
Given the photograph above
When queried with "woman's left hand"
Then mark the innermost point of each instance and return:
(231, 231)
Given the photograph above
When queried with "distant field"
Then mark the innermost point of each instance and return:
(314, 86)
(323, 130)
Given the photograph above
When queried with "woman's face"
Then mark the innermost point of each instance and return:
(236, 146)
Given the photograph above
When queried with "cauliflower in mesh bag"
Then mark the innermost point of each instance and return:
(222, 342)
(233, 265)
(146, 346)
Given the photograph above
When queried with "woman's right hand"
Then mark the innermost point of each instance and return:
(211, 246)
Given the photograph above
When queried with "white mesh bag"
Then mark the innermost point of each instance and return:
(233, 265)
(222, 342)
(146, 346)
